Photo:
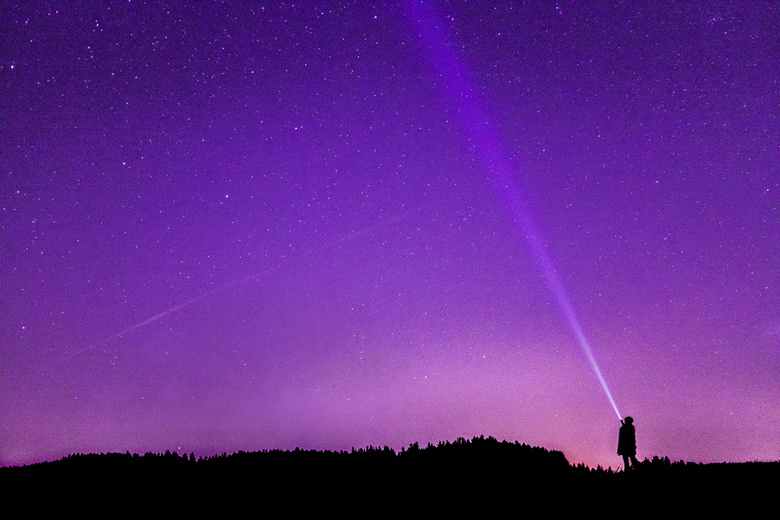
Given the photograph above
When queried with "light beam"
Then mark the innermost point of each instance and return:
(455, 77)
(254, 276)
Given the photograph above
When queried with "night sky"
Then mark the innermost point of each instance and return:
(330, 225)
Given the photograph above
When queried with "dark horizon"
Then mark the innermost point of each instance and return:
(387, 450)
(480, 474)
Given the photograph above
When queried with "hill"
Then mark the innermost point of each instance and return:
(477, 476)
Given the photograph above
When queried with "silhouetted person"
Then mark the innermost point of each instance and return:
(627, 443)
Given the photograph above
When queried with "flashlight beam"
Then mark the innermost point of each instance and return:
(455, 77)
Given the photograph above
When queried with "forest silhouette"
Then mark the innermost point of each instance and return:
(477, 476)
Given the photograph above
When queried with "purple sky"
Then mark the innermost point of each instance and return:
(250, 227)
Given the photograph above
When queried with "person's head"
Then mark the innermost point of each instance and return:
(629, 420)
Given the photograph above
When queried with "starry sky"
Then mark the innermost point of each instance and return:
(261, 225)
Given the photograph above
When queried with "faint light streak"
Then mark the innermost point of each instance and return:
(254, 276)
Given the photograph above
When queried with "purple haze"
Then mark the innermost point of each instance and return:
(273, 225)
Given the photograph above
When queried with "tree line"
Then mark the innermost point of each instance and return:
(478, 476)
